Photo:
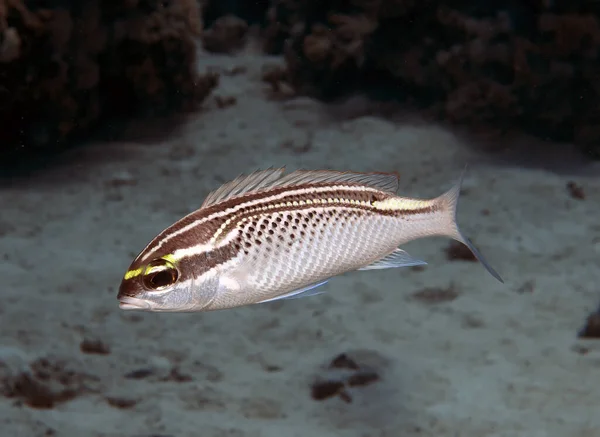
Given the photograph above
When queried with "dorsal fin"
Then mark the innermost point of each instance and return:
(381, 181)
(273, 177)
(255, 181)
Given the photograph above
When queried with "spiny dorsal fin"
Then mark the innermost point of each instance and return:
(381, 181)
(273, 177)
(255, 181)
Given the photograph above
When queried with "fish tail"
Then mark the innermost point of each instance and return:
(449, 203)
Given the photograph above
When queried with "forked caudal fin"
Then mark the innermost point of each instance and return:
(449, 200)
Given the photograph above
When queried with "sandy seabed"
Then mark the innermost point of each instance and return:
(446, 350)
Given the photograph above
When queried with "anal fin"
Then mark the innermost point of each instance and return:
(398, 258)
(309, 290)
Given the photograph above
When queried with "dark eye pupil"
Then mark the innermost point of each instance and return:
(160, 273)
(162, 279)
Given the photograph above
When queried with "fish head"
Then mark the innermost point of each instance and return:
(163, 283)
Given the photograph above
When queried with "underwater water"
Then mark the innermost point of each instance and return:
(439, 350)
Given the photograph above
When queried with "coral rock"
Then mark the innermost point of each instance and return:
(531, 65)
(65, 66)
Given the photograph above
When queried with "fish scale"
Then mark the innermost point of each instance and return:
(282, 267)
(269, 236)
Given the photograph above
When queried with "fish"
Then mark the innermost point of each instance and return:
(267, 236)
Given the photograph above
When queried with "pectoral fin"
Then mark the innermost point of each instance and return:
(398, 258)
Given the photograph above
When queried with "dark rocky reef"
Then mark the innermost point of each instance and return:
(66, 65)
(528, 65)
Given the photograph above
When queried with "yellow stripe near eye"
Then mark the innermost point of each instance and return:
(155, 269)
(133, 273)
(137, 272)
(170, 257)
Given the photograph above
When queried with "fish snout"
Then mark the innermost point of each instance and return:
(132, 303)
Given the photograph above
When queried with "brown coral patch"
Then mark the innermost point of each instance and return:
(67, 66)
(528, 66)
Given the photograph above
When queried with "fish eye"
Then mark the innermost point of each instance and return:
(159, 274)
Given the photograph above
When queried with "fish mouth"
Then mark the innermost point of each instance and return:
(132, 303)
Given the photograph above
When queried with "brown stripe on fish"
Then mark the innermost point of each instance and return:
(254, 215)
(340, 199)
(200, 230)
(203, 262)
(201, 222)
(261, 229)
(199, 234)
(379, 203)
(274, 221)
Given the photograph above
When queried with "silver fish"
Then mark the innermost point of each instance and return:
(269, 236)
